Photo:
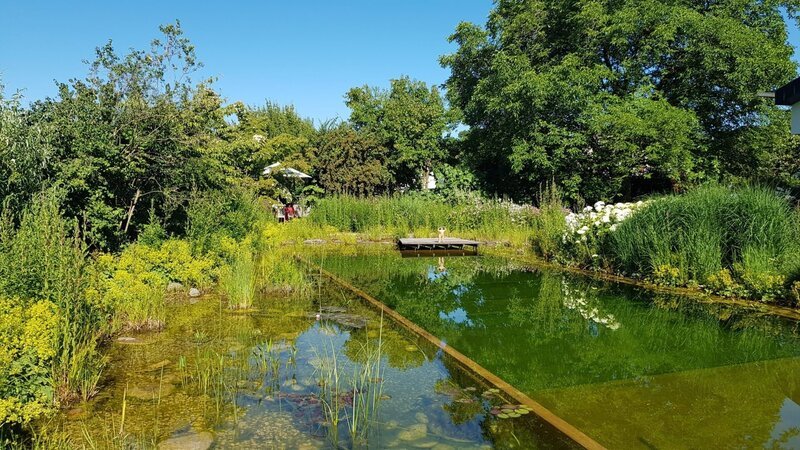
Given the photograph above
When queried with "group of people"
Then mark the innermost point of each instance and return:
(287, 212)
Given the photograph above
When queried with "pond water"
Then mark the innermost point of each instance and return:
(282, 377)
(630, 368)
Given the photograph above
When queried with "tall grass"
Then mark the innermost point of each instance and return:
(747, 232)
(238, 280)
(408, 214)
(549, 224)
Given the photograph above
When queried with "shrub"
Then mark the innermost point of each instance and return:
(586, 233)
(748, 233)
(213, 215)
(42, 260)
(28, 345)
(133, 284)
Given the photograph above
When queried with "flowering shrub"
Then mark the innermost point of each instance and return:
(28, 343)
(585, 231)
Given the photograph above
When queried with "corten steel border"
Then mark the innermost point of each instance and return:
(537, 408)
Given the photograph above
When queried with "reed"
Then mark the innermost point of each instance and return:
(238, 280)
(747, 232)
(401, 215)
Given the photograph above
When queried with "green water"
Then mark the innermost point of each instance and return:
(629, 368)
(215, 379)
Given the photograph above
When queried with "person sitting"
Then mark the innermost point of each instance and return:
(289, 211)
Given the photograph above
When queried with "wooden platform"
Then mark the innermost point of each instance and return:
(436, 244)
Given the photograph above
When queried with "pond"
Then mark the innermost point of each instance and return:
(629, 367)
(311, 369)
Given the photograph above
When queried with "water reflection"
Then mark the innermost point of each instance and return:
(629, 367)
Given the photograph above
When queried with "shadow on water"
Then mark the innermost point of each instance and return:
(315, 371)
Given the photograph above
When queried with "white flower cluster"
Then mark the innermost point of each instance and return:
(576, 300)
(597, 219)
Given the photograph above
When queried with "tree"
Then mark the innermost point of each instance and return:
(352, 163)
(24, 154)
(590, 92)
(409, 120)
(136, 129)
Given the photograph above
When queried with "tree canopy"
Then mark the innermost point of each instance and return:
(612, 97)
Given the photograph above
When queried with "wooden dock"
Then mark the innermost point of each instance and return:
(447, 243)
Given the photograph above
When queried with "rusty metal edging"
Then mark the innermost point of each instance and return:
(537, 408)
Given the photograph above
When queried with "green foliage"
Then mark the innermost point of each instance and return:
(352, 163)
(28, 344)
(409, 120)
(238, 279)
(549, 225)
(618, 98)
(45, 273)
(213, 215)
(407, 214)
(24, 153)
(130, 132)
(709, 236)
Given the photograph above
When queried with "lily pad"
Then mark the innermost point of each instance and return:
(522, 411)
(502, 416)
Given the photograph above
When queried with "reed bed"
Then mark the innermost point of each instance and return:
(745, 239)
(401, 215)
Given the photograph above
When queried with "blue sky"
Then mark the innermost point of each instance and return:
(308, 53)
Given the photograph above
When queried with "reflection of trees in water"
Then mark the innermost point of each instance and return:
(548, 329)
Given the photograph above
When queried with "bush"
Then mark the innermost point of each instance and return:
(134, 283)
(44, 278)
(28, 345)
(747, 234)
(216, 214)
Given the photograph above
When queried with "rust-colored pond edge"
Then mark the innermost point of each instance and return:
(537, 408)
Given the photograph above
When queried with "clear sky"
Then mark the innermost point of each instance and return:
(307, 53)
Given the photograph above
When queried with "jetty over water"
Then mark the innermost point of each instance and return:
(446, 243)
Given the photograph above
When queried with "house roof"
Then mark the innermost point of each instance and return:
(788, 94)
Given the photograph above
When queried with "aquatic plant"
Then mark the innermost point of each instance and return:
(238, 280)
(354, 399)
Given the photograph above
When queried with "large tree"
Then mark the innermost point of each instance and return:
(409, 120)
(615, 97)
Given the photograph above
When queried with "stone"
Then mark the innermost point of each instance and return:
(194, 292)
(421, 417)
(314, 241)
(128, 340)
(194, 440)
(441, 446)
(150, 391)
(174, 286)
(413, 433)
(428, 444)
(157, 366)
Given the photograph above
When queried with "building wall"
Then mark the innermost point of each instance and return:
(796, 118)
